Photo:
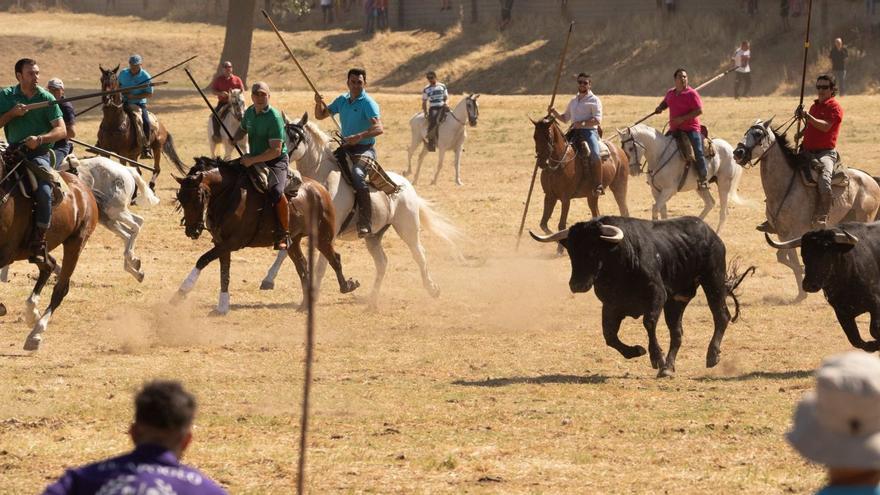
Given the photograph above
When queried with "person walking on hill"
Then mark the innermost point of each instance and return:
(136, 75)
(685, 107)
(585, 114)
(161, 432)
(743, 72)
(837, 424)
(838, 55)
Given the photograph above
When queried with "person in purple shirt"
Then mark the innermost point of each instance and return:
(161, 431)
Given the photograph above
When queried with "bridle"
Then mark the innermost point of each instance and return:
(763, 142)
(635, 160)
(553, 164)
(203, 196)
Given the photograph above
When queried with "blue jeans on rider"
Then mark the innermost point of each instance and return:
(43, 194)
(358, 169)
(61, 151)
(590, 136)
(697, 142)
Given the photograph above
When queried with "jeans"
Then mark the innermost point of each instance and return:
(697, 142)
(43, 194)
(589, 136)
(742, 80)
(840, 75)
(359, 167)
(61, 152)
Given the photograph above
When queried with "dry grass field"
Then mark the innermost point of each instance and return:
(501, 385)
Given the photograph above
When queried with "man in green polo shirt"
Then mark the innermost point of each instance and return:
(359, 117)
(265, 129)
(36, 130)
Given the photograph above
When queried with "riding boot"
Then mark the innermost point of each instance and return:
(766, 227)
(37, 246)
(282, 230)
(365, 213)
(596, 173)
(820, 219)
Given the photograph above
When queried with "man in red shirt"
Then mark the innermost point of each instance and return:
(820, 139)
(225, 82)
(685, 107)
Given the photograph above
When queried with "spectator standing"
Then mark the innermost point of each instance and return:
(783, 12)
(506, 13)
(327, 11)
(743, 72)
(670, 6)
(161, 432)
(837, 424)
(370, 16)
(381, 15)
(445, 5)
(870, 7)
(838, 55)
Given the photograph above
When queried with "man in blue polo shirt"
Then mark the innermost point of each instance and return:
(36, 129)
(359, 116)
(161, 432)
(135, 75)
(63, 147)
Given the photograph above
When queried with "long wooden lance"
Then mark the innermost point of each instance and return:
(522, 222)
(310, 352)
(148, 80)
(701, 86)
(797, 136)
(298, 66)
(110, 154)
(214, 112)
(44, 104)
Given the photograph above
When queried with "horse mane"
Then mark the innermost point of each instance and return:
(321, 137)
(788, 151)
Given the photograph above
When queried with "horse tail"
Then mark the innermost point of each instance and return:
(169, 151)
(438, 224)
(143, 188)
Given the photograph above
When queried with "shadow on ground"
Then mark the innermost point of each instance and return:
(540, 380)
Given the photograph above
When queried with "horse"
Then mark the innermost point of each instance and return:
(312, 151)
(73, 221)
(117, 134)
(563, 179)
(451, 135)
(217, 194)
(789, 203)
(232, 122)
(666, 166)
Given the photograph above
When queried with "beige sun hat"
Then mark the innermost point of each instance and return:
(838, 423)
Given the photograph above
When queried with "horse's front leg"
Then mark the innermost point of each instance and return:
(302, 269)
(72, 249)
(223, 301)
(458, 181)
(157, 158)
(441, 154)
(31, 313)
(549, 205)
(708, 202)
(190, 281)
(422, 155)
(268, 282)
(660, 200)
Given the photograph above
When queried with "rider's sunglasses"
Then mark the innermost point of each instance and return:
(823, 86)
(583, 82)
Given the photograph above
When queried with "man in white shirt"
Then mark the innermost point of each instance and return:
(585, 114)
(743, 72)
(434, 98)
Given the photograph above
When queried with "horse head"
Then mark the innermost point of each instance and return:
(631, 147)
(236, 101)
(109, 82)
(296, 137)
(547, 138)
(760, 134)
(193, 197)
(473, 109)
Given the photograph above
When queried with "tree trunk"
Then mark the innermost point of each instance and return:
(239, 34)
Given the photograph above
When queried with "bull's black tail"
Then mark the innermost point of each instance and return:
(732, 282)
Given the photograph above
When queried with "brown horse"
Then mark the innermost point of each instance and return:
(563, 179)
(73, 221)
(218, 194)
(117, 134)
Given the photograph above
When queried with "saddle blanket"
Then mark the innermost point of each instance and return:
(259, 176)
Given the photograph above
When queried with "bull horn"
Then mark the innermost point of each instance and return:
(610, 233)
(792, 244)
(845, 237)
(555, 237)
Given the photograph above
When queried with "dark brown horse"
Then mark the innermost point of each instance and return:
(73, 221)
(563, 179)
(218, 195)
(116, 133)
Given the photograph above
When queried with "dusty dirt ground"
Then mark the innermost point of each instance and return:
(501, 385)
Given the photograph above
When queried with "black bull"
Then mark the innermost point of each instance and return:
(844, 263)
(641, 268)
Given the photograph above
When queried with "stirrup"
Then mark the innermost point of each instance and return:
(820, 222)
(703, 185)
(282, 242)
(364, 231)
(39, 255)
(599, 191)
(146, 152)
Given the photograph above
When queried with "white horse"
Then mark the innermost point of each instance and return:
(450, 136)
(114, 186)
(666, 166)
(232, 121)
(312, 150)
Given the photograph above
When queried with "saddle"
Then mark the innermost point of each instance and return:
(259, 176)
(377, 178)
(27, 176)
(810, 176)
(135, 120)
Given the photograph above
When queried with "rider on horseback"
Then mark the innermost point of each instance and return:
(820, 139)
(685, 107)
(225, 82)
(63, 147)
(134, 75)
(37, 129)
(265, 127)
(434, 97)
(585, 113)
(359, 116)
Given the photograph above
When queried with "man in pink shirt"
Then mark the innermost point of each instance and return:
(685, 108)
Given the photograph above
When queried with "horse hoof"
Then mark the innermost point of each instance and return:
(178, 297)
(434, 290)
(302, 308)
(217, 312)
(658, 364)
(800, 297)
(2, 310)
(406, 174)
(139, 276)
(349, 286)
(152, 186)
(666, 373)
(459, 183)
(267, 285)
(136, 264)
(712, 358)
(33, 343)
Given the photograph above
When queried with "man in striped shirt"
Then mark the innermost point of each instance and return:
(585, 114)
(434, 98)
